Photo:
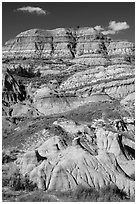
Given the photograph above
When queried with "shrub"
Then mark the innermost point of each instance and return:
(85, 194)
(23, 72)
(9, 155)
(129, 58)
(38, 196)
(8, 170)
(12, 178)
(133, 176)
(19, 182)
(81, 194)
(111, 193)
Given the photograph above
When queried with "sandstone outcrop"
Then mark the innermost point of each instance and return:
(115, 80)
(55, 165)
(71, 126)
(80, 43)
(81, 71)
(88, 62)
(40, 43)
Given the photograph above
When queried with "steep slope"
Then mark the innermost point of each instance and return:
(68, 43)
(92, 159)
(12, 91)
(70, 118)
(83, 61)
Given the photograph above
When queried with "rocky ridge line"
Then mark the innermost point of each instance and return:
(65, 43)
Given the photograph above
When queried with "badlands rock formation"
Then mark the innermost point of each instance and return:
(87, 81)
(65, 43)
(55, 165)
(97, 65)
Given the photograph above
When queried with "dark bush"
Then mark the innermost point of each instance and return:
(8, 170)
(12, 178)
(23, 72)
(132, 176)
(111, 193)
(86, 194)
(106, 194)
(9, 155)
(19, 182)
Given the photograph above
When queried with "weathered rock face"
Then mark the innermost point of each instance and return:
(55, 165)
(113, 78)
(12, 91)
(54, 104)
(121, 48)
(97, 65)
(86, 45)
(39, 43)
(84, 74)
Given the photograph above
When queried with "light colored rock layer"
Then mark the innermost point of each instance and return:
(65, 167)
(65, 43)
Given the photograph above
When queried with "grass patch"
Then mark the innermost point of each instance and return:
(27, 192)
(108, 194)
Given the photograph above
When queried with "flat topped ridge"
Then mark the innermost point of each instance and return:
(57, 31)
(79, 31)
(65, 42)
(34, 32)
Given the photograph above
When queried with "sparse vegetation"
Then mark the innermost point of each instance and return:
(81, 194)
(25, 72)
(9, 155)
(72, 42)
(132, 176)
(27, 190)
(12, 90)
(46, 64)
(14, 180)
(129, 58)
(106, 194)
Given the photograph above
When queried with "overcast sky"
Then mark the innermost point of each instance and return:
(117, 19)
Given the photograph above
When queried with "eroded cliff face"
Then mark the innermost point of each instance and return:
(94, 157)
(88, 62)
(67, 43)
(86, 87)
(40, 43)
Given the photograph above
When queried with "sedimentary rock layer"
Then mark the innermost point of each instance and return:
(93, 159)
(88, 62)
(67, 43)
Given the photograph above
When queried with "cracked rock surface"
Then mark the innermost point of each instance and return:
(68, 102)
(92, 160)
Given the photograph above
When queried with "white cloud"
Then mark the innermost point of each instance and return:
(112, 28)
(98, 28)
(108, 32)
(118, 26)
(32, 10)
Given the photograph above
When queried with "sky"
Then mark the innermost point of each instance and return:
(115, 18)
